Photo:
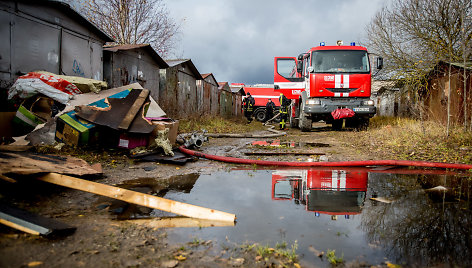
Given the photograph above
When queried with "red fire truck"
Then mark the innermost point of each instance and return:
(261, 94)
(322, 191)
(325, 79)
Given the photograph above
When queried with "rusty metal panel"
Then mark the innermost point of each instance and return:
(226, 104)
(200, 107)
(148, 74)
(207, 87)
(35, 46)
(186, 97)
(130, 66)
(215, 100)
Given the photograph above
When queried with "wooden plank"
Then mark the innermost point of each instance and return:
(31, 163)
(133, 111)
(31, 223)
(138, 198)
(181, 222)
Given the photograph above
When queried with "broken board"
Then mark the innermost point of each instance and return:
(31, 223)
(30, 163)
(138, 198)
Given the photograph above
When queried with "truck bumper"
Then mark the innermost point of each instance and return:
(326, 106)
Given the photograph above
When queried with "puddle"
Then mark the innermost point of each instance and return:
(125, 211)
(331, 209)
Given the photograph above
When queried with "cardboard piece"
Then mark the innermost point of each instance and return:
(72, 130)
(88, 98)
(130, 141)
(6, 121)
(120, 113)
(173, 127)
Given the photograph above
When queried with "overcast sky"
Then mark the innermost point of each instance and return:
(237, 40)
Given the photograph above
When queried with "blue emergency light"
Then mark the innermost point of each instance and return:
(322, 44)
(353, 44)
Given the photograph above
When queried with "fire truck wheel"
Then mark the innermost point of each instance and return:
(260, 115)
(337, 124)
(304, 122)
(363, 124)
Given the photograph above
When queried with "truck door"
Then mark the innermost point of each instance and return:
(286, 78)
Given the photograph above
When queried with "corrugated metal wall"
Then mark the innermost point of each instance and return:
(125, 67)
(45, 37)
(178, 92)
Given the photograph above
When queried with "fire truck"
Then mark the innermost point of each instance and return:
(322, 191)
(327, 79)
(261, 94)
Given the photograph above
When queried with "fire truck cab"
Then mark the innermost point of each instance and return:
(323, 191)
(325, 79)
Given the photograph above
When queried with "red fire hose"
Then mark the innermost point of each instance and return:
(326, 164)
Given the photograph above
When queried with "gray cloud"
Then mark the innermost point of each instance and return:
(237, 40)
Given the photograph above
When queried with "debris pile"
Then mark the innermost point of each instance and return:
(82, 112)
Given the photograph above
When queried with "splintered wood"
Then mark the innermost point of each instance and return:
(138, 198)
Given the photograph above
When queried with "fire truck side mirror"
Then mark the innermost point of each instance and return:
(299, 66)
(380, 63)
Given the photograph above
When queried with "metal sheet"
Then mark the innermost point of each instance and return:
(76, 55)
(35, 46)
(5, 44)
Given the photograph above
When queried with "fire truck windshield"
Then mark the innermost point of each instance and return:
(340, 61)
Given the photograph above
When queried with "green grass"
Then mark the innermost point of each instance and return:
(217, 124)
(280, 250)
(409, 139)
(332, 259)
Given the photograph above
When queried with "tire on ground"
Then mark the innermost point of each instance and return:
(260, 115)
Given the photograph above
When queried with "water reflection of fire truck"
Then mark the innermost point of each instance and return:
(323, 191)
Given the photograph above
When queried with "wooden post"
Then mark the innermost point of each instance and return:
(138, 198)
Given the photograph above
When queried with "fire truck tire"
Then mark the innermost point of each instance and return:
(337, 124)
(304, 122)
(363, 124)
(260, 115)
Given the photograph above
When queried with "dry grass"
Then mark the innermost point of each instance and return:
(215, 124)
(408, 139)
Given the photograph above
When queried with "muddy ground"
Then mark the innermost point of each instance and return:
(102, 240)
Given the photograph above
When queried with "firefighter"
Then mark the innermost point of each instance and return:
(270, 106)
(248, 105)
(284, 103)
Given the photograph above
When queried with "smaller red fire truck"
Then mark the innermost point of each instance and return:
(330, 191)
(261, 94)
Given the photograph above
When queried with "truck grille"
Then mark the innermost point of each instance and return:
(341, 90)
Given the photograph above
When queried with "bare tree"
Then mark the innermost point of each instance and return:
(414, 35)
(136, 22)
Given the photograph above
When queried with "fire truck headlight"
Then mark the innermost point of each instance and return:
(313, 102)
(368, 102)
